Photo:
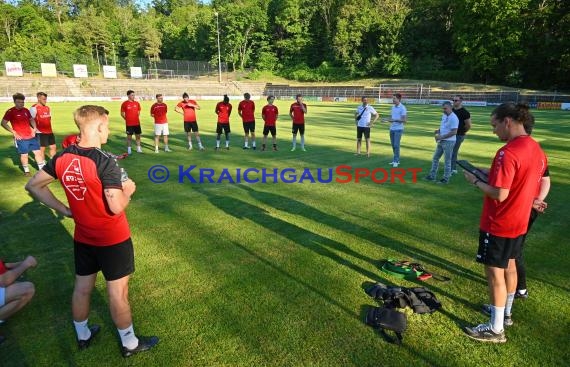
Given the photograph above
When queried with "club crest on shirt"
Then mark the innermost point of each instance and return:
(73, 181)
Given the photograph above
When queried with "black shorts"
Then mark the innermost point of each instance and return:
(191, 126)
(134, 130)
(46, 139)
(116, 261)
(362, 130)
(225, 127)
(249, 126)
(496, 251)
(269, 129)
(300, 128)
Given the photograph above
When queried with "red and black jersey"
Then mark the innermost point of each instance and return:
(84, 173)
(223, 110)
(247, 110)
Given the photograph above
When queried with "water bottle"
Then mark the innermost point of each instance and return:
(124, 175)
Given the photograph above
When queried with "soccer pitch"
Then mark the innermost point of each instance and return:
(255, 273)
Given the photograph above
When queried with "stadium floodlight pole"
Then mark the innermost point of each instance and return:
(219, 53)
(114, 55)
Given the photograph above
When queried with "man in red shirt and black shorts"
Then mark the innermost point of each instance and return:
(223, 110)
(98, 196)
(130, 111)
(23, 128)
(246, 110)
(187, 108)
(297, 113)
(269, 114)
(42, 115)
(514, 180)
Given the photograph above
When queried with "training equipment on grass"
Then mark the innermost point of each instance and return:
(384, 319)
(409, 270)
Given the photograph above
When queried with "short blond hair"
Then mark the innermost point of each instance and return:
(88, 113)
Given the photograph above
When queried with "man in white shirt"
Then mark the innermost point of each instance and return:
(398, 118)
(363, 115)
(445, 139)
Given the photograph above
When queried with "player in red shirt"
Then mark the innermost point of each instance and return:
(41, 113)
(158, 111)
(23, 128)
(130, 111)
(269, 114)
(98, 195)
(70, 140)
(246, 110)
(13, 294)
(187, 108)
(223, 110)
(514, 180)
(297, 113)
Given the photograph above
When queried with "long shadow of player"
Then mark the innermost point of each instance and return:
(36, 230)
(301, 236)
(296, 207)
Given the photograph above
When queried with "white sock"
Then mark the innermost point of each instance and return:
(253, 144)
(41, 164)
(246, 144)
(302, 141)
(26, 168)
(199, 142)
(128, 338)
(509, 305)
(294, 141)
(129, 150)
(217, 143)
(82, 329)
(497, 318)
(227, 143)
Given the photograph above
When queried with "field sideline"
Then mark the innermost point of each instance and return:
(272, 274)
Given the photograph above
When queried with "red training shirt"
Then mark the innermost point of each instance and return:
(269, 114)
(69, 140)
(20, 121)
(42, 118)
(247, 110)
(298, 114)
(223, 111)
(2, 267)
(158, 111)
(519, 167)
(84, 173)
(132, 111)
(189, 110)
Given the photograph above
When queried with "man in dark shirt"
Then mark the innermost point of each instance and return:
(464, 125)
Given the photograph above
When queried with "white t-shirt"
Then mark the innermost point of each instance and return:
(399, 112)
(366, 116)
(448, 123)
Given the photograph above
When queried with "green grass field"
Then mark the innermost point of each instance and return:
(272, 274)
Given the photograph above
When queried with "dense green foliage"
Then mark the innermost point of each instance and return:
(514, 42)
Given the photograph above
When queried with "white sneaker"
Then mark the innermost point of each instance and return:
(139, 150)
(190, 147)
(395, 164)
(167, 149)
(454, 172)
(391, 163)
(156, 150)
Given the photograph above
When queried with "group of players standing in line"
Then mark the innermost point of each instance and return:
(131, 110)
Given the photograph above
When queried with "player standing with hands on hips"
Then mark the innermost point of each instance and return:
(297, 112)
(97, 197)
